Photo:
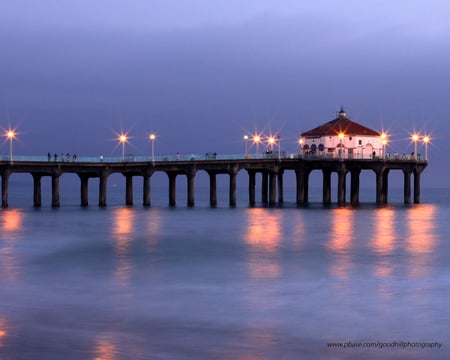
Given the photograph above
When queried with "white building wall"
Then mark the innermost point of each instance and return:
(362, 146)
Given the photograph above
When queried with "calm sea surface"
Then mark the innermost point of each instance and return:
(225, 283)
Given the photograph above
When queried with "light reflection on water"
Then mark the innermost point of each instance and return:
(263, 239)
(11, 232)
(3, 331)
(384, 240)
(105, 349)
(340, 242)
(123, 233)
(421, 239)
(251, 282)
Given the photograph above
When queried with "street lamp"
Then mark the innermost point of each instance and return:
(271, 141)
(123, 138)
(426, 140)
(384, 147)
(341, 137)
(152, 138)
(10, 134)
(256, 141)
(384, 142)
(279, 146)
(300, 144)
(415, 138)
(246, 144)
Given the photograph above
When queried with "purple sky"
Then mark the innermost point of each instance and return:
(202, 73)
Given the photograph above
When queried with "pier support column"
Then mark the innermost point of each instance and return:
(55, 190)
(416, 187)
(264, 186)
(326, 186)
(233, 177)
(380, 186)
(37, 195)
(385, 185)
(146, 190)
(341, 186)
(280, 186)
(272, 188)
(84, 186)
(172, 188)
(302, 179)
(129, 190)
(5, 178)
(212, 189)
(102, 189)
(354, 186)
(407, 186)
(190, 189)
(251, 187)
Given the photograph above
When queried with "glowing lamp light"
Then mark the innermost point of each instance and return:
(341, 137)
(246, 144)
(123, 138)
(10, 134)
(426, 141)
(256, 141)
(415, 138)
(152, 138)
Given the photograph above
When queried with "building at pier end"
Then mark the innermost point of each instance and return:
(342, 138)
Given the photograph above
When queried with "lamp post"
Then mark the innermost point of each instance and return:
(152, 138)
(10, 134)
(257, 140)
(384, 147)
(123, 138)
(341, 137)
(246, 144)
(271, 141)
(279, 147)
(383, 142)
(426, 140)
(300, 144)
(415, 138)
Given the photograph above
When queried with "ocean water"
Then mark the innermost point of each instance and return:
(225, 283)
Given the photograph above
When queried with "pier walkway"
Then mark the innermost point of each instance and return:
(270, 166)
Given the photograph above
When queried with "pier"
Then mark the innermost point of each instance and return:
(271, 167)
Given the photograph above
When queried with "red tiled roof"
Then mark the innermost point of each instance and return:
(340, 124)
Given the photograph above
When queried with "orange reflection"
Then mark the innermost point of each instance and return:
(383, 239)
(12, 221)
(263, 238)
(123, 233)
(341, 241)
(105, 349)
(299, 231)
(342, 230)
(11, 227)
(256, 340)
(154, 225)
(3, 332)
(421, 238)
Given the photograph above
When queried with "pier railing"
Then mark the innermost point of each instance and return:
(208, 156)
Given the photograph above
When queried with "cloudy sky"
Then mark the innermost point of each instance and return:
(202, 73)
